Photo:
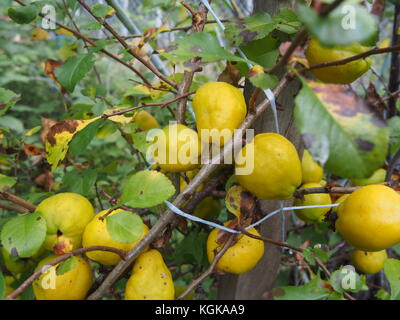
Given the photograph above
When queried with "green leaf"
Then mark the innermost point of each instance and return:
(252, 28)
(287, 21)
(347, 24)
(382, 295)
(391, 268)
(140, 142)
(312, 290)
(7, 100)
(66, 266)
(192, 249)
(125, 227)
(80, 181)
(101, 10)
(146, 189)
(2, 286)
(95, 25)
(340, 130)
(347, 280)
(264, 81)
(24, 15)
(201, 44)
(82, 138)
(23, 235)
(6, 181)
(74, 70)
(394, 127)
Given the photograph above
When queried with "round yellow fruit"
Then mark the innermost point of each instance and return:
(145, 120)
(369, 219)
(340, 200)
(377, 177)
(177, 148)
(71, 285)
(311, 170)
(96, 234)
(150, 279)
(341, 74)
(369, 262)
(219, 108)
(313, 214)
(277, 167)
(239, 258)
(67, 215)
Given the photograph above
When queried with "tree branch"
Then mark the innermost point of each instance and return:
(394, 63)
(204, 173)
(17, 200)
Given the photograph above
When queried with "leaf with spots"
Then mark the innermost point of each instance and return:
(201, 44)
(23, 235)
(392, 273)
(340, 129)
(239, 201)
(146, 189)
(256, 27)
(125, 227)
(346, 279)
(59, 137)
(66, 266)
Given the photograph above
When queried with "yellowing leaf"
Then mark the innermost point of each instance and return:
(39, 34)
(118, 118)
(384, 44)
(59, 137)
(67, 50)
(239, 201)
(65, 32)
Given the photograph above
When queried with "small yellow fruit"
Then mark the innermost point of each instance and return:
(72, 285)
(313, 214)
(220, 108)
(311, 170)
(96, 234)
(239, 258)
(277, 167)
(342, 74)
(150, 279)
(369, 262)
(145, 120)
(369, 219)
(67, 215)
(177, 149)
(377, 177)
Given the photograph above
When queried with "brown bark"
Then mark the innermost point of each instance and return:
(257, 283)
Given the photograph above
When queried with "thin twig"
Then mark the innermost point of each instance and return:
(17, 200)
(394, 80)
(12, 207)
(59, 259)
(210, 270)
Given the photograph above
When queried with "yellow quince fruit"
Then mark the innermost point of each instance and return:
(71, 285)
(277, 167)
(67, 215)
(312, 215)
(311, 170)
(369, 262)
(369, 219)
(145, 120)
(341, 74)
(377, 177)
(14, 264)
(96, 234)
(219, 108)
(177, 148)
(150, 279)
(241, 257)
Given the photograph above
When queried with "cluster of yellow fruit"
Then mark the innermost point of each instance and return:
(71, 224)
